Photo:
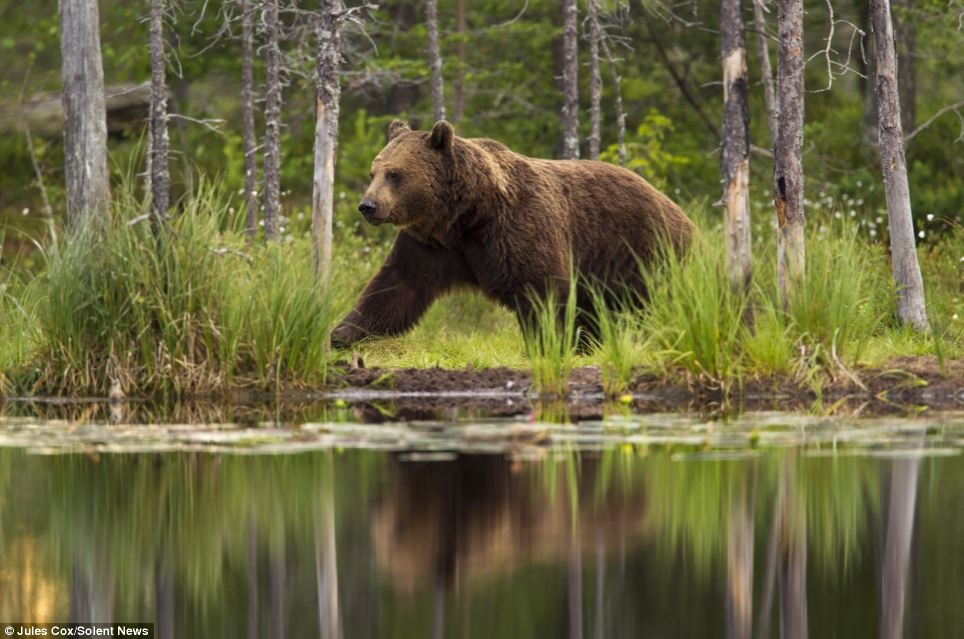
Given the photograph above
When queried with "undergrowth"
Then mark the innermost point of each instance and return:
(191, 307)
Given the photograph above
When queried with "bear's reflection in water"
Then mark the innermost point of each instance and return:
(474, 517)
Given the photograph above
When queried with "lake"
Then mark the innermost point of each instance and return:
(338, 520)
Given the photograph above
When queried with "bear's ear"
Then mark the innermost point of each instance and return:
(396, 128)
(442, 136)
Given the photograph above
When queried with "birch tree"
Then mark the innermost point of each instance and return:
(435, 60)
(618, 99)
(458, 88)
(85, 116)
(766, 71)
(159, 146)
(735, 152)
(900, 223)
(272, 121)
(788, 153)
(595, 78)
(570, 81)
(327, 95)
(248, 134)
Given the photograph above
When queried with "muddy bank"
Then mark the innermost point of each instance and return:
(905, 385)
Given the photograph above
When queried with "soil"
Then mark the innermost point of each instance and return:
(907, 384)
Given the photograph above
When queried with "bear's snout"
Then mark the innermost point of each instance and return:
(368, 208)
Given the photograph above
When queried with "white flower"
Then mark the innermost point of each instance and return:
(873, 233)
(25, 211)
(954, 316)
(230, 209)
(837, 215)
(930, 217)
(859, 183)
(920, 234)
(853, 213)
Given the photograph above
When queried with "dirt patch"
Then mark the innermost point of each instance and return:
(905, 384)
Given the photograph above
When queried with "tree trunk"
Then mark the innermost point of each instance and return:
(905, 30)
(618, 96)
(85, 128)
(160, 177)
(897, 546)
(595, 78)
(910, 285)
(459, 84)
(735, 152)
(788, 154)
(326, 566)
(328, 92)
(435, 60)
(247, 120)
(272, 121)
(739, 566)
(868, 122)
(766, 72)
(570, 81)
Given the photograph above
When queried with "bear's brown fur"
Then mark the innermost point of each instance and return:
(473, 213)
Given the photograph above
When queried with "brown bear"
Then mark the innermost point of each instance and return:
(472, 213)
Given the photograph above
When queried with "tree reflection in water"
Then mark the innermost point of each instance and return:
(611, 543)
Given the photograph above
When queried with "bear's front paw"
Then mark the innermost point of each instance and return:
(344, 336)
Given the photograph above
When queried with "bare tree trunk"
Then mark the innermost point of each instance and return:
(739, 567)
(910, 285)
(868, 122)
(272, 121)
(788, 154)
(595, 78)
(326, 567)
(766, 72)
(160, 177)
(620, 113)
(735, 152)
(85, 116)
(905, 30)
(435, 60)
(247, 120)
(897, 547)
(459, 83)
(328, 93)
(570, 81)
(793, 563)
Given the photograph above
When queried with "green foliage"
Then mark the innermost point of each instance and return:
(619, 347)
(551, 337)
(695, 320)
(648, 150)
(188, 308)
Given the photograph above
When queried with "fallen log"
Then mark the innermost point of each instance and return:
(127, 108)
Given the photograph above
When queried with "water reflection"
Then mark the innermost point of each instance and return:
(623, 542)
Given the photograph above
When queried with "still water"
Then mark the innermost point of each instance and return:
(629, 526)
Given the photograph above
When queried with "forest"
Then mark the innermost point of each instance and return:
(239, 137)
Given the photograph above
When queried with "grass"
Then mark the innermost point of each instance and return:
(199, 309)
(192, 309)
(551, 341)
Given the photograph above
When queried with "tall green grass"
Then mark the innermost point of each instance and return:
(551, 337)
(190, 308)
(694, 319)
(619, 344)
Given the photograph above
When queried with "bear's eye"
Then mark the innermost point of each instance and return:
(393, 176)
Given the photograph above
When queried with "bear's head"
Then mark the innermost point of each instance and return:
(409, 178)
